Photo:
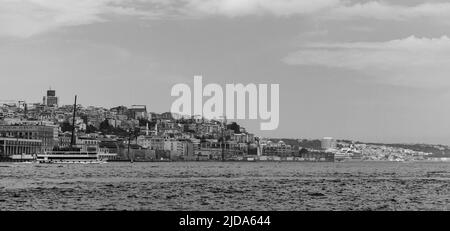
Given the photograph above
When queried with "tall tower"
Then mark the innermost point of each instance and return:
(51, 100)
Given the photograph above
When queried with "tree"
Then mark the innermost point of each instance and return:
(303, 151)
(91, 129)
(105, 126)
(84, 118)
(66, 127)
(235, 127)
(144, 122)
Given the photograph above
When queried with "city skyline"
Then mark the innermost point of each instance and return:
(348, 69)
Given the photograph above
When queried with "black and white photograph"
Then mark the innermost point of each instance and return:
(224, 105)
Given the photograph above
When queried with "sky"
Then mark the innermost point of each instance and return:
(365, 70)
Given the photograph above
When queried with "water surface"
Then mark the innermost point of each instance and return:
(226, 186)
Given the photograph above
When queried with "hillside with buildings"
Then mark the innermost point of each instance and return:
(135, 133)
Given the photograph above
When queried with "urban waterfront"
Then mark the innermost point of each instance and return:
(226, 186)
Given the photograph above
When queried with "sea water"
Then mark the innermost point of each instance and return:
(226, 186)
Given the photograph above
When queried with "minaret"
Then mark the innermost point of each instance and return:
(156, 128)
(146, 130)
(258, 148)
(73, 140)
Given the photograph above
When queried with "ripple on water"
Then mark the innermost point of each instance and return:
(226, 186)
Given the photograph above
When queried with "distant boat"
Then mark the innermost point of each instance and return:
(347, 154)
(72, 156)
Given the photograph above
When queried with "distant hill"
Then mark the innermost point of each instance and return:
(437, 149)
(304, 143)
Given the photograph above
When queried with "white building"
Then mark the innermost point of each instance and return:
(328, 143)
(176, 147)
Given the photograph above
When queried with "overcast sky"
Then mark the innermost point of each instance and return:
(365, 70)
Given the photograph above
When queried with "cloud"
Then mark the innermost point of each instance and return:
(326, 9)
(24, 18)
(411, 61)
(234, 8)
(384, 11)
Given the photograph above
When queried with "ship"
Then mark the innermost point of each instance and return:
(75, 154)
(348, 154)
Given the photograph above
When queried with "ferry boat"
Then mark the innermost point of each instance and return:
(348, 154)
(73, 156)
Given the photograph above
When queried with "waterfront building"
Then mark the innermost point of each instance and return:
(156, 143)
(179, 148)
(47, 134)
(112, 145)
(319, 156)
(280, 149)
(10, 148)
(213, 149)
(195, 142)
(135, 152)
